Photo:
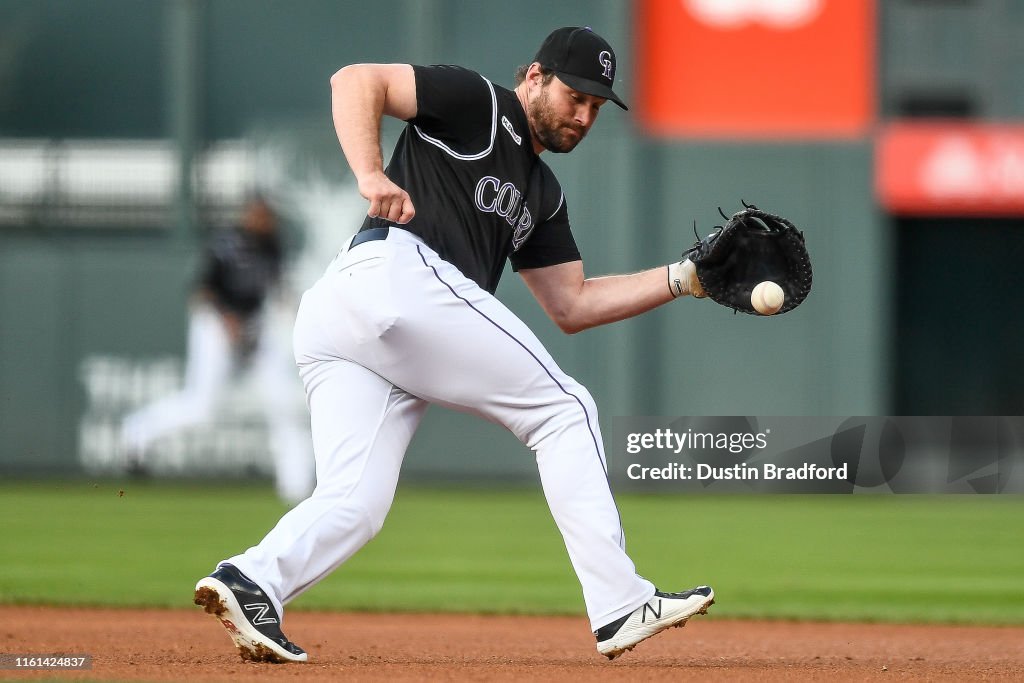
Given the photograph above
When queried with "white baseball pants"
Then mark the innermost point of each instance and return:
(389, 328)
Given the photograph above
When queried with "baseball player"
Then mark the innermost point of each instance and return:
(405, 316)
(242, 265)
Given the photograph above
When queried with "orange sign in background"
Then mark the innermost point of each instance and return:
(755, 68)
(934, 168)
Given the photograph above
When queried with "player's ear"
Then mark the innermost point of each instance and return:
(535, 75)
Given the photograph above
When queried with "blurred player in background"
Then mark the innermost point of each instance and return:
(226, 331)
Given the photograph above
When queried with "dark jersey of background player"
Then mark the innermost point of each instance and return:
(243, 263)
(482, 195)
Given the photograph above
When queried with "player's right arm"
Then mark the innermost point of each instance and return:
(361, 94)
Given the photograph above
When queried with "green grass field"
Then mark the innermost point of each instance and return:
(953, 559)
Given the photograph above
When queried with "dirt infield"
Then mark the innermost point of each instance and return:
(180, 645)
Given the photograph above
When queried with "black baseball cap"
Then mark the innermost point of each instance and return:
(582, 60)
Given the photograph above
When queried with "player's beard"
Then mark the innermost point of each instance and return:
(550, 131)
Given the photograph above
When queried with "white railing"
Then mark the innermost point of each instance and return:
(116, 183)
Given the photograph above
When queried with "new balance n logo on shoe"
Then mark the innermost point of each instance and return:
(662, 611)
(657, 614)
(259, 610)
(247, 614)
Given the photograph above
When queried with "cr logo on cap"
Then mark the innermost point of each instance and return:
(605, 58)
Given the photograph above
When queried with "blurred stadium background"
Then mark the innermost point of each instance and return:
(889, 131)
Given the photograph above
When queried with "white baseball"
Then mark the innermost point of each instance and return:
(767, 298)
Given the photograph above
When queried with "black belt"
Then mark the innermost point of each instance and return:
(369, 235)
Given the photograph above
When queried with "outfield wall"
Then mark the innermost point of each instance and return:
(93, 315)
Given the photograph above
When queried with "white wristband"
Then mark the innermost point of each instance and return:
(676, 283)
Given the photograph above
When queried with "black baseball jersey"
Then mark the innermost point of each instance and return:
(481, 193)
(239, 269)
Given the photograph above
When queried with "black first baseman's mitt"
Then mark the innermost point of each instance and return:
(752, 247)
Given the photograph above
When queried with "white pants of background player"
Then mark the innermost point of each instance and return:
(211, 361)
(389, 328)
